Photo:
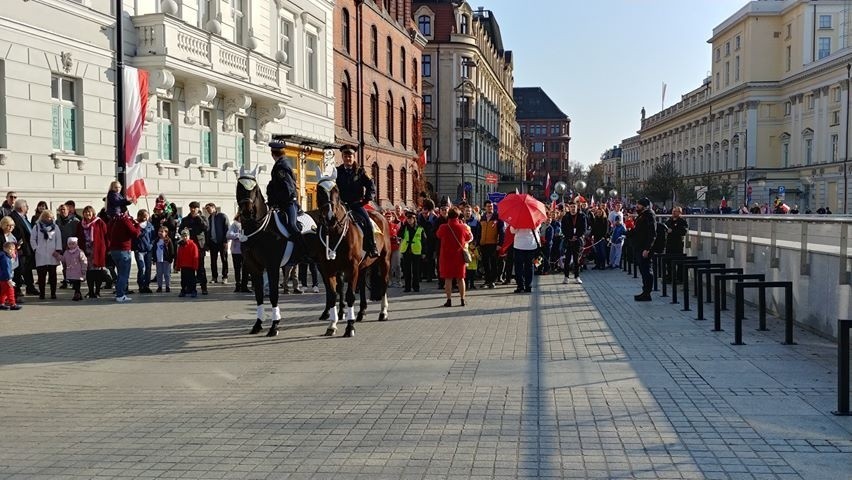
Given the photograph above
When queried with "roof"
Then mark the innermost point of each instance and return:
(489, 22)
(534, 104)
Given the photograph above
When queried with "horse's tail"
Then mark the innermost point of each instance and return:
(378, 284)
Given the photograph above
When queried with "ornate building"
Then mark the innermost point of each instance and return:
(772, 118)
(470, 132)
(224, 77)
(629, 171)
(612, 160)
(546, 131)
(377, 52)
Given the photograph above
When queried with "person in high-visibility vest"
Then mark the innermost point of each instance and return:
(412, 237)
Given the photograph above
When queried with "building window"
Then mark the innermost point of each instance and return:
(727, 48)
(737, 43)
(239, 15)
(311, 59)
(727, 159)
(207, 130)
(165, 131)
(785, 154)
(737, 68)
(825, 21)
(403, 123)
(390, 56)
(426, 62)
(390, 118)
(285, 42)
(402, 64)
(736, 156)
(465, 67)
(789, 31)
(346, 104)
(835, 118)
(403, 185)
(809, 150)
(788, 109)
(427, 106)
(835, 144)
(824, 47)
(63, 95)
(390, 185)
(203, 13)
(789, 58)
(554, 130)
(727, 73)
(374, 172)
(3, 140)
(427, 147)
(835, 94)
(345, 29)
(415, 84)
(463, 25)
(810, 102)
(538, 147)
(374, 46)
(241, 143)
(464, 150)
(425, 24)
(718, 55)
(374, 112)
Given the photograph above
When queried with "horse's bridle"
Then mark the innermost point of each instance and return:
(249, 184)
(331, 253)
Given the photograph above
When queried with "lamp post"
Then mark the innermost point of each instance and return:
(745, 166)
(846, 154)
(464, 100)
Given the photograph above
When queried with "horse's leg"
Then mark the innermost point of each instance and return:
(350, 305)
(329, 298)
(383, 315)
(331, 287)
(384, 276)
(362, 292)
(272, 271)
(257, 283)
(340, 298)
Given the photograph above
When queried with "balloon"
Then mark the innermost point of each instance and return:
(560, 188)
(580, 185)
(613, 193)
(600, 192)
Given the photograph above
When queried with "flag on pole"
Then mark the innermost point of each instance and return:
(723, 205)
(421, 160)
(663, 103)
(135, 104)
(592, 204)
(547, 186)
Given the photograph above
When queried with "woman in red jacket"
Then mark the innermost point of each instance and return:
(454, 236)
(92, 232)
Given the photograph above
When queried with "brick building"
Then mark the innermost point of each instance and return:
(377, 55)
(546, 131)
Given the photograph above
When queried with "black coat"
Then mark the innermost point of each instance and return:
(600, 225)
(197, 229)
(573, 226)
(645, 231)
(354, 185)
(22, 232)
(660, 239)
(281, 189)
(678, 230)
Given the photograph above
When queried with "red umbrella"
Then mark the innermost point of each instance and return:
(520, 210)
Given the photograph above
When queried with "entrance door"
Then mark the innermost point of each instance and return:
(831, 196)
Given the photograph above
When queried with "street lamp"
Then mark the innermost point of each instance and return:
(464, 100)
(846, 154)
(745, 165)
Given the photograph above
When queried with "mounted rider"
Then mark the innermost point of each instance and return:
(281, 190)
(356, 190)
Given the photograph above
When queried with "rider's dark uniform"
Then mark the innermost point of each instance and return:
(356, 190)
(281, 190)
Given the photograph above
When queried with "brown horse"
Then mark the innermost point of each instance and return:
(338, 249)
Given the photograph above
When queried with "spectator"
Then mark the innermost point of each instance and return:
(412, 240)
(92, 231)
(526, 247)
(143, 245)
(26, 259)
(75, 263)
(218, 242)
(453, 237)
(122, 231)
(600, 225)
(46, 241)
(491, 237)
(68, 225)
(616, 242)
(164, 254)
(396, 257)
(573, 231)
(197, 226)
(71, 206)
(235, 232)
(187, 261)
(8, 204)
(40, 207)
(6, 227)
(116, 202)
(7, 290)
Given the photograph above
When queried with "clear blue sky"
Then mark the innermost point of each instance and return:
(602, 61)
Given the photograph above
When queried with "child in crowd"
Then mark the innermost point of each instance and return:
(616, 241)
(7, 287)
(76, 264)
(142, 247)
(116, 202)
(187, 262)
(164, 254)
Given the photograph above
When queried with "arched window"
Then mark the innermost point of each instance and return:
(390, 117)
(390, 56)
(463, 25)
(403, 185)
(414, 180)
(403, 123)
(424, 22)
(374, 112)
(390, 184)
(414, 82)
(374, 45)
(402, 65)
(346, 95)
(374, 172)
(345, 30)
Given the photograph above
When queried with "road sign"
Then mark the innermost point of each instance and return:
(781, 191)
(554, 197)
(491, 178)
(700, 192)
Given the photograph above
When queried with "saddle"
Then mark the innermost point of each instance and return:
(304, 222)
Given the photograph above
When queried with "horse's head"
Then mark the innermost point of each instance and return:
(250, 201)
(328, 197)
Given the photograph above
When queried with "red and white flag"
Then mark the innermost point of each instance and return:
(593, 200)
(135, 104)
(421, 160)
(547, 186)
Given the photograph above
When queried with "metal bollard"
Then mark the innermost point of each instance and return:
(696, 266)
(843, 327)
(740, 308)
(665, 261)
(719, 294)
(709, 272)
(675, 263)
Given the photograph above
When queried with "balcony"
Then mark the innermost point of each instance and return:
(465, 123)
(165, 42)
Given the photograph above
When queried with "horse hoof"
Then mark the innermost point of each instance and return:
(383, 317)
(273, 332)
(324, 316)
(359, 317)
(350, 332)
(329, 332)
(257, 328)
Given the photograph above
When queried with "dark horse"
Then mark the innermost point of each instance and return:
(263, 246)
(338, 249)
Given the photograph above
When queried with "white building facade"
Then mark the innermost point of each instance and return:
(225, 75)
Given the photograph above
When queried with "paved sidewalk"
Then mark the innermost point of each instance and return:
(569, 382)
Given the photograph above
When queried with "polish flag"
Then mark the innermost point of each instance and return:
(593, 201)
(421, 160)
(135, 104)
(547, 186)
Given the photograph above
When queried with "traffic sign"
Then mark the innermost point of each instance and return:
(491, 178)
(554, 197)
(781, 191)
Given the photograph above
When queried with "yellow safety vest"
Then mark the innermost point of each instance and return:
(416, 243)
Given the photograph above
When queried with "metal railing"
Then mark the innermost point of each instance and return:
(822, 234)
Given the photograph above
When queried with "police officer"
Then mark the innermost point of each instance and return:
(281, 189)
(356, 190)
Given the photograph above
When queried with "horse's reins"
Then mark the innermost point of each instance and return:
(331, 253)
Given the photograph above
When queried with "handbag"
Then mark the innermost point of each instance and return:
(465, 253)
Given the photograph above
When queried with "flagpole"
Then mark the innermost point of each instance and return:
(119, 95)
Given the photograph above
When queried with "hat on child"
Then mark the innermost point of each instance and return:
(71, 240)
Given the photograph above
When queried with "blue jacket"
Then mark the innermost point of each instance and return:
(145, 241)
(354, 185)
(5, 267)
(618, 233)
(475, 229)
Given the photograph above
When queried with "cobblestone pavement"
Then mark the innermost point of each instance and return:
(573, 381)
